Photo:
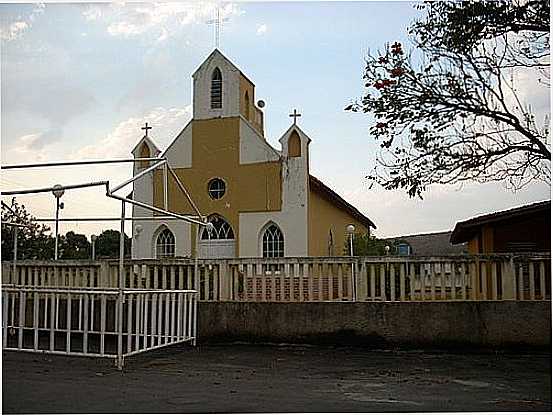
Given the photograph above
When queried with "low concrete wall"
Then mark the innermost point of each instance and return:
(477, 324)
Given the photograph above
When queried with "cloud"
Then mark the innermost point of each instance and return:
(160, 19)
(166, 123)
(261, 29)
(31, 147)
(15, 30)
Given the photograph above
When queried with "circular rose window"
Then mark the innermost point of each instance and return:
(216, 188)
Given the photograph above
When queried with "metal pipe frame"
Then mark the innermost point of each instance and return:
(120, 297)
(76, 163)
(17, 225)
(139, 175)
(183, 189)
(110, 219)
(50, 189)
(154, 209)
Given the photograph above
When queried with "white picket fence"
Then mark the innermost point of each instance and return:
(96, 322)
(447, 278)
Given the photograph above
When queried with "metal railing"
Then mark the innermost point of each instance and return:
(96, 322)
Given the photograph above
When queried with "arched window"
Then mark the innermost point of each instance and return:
(273, 242)
(294, 145)
(144, 153)
(247, 105)
(165, 244)
(216, 89)
(221, 229)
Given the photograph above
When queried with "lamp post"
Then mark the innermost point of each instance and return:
(58, 193)
(350, 229)
(93, 240)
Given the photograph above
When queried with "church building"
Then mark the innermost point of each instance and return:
(261, 201)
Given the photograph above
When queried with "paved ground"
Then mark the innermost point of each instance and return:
(246, 378)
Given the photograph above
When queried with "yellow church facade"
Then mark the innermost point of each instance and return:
(261, 201)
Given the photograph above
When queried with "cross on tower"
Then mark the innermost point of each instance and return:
(217, 22)
(146, 128)
(295, 115)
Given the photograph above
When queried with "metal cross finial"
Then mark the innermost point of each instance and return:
(295, 115)
(217, 22)
(146, 128)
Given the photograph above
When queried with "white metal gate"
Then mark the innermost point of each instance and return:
(96, 322)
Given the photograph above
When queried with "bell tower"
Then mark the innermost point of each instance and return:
(222, 90)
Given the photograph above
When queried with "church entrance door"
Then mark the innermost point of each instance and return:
(219, 242)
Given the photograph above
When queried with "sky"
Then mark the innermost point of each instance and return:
(78, 80)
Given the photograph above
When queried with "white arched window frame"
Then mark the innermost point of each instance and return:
(216, 89)
(165, 244)
(221, 229)
(272, 241)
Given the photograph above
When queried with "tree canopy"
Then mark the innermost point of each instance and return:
(107, 244)
(33, 240)
(451, 110)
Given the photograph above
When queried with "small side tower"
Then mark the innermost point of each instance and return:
(143, 192)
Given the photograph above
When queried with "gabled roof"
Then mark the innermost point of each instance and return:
(331, 195)
(430, 244)
(289, 131)
(150, 143)
(466, 229)
(217, 52)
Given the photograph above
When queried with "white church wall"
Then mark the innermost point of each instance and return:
(202, 89)
(142, 192)
(253, 147)
(179, 152)
(292, 219)
(145, 241)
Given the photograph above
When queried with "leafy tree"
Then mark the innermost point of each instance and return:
(107, 244)
(74, 246)
(33, 240)
(365, 245)
(449, 111)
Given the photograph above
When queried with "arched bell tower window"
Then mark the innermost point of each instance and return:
(294, 145)
(144, 153)
(216, 89)
(165, 244)
(273, 242)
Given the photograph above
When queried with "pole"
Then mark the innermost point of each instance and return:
(121, 287)
(93, 249)
(14, 277)
(353, 287)
(57, 223)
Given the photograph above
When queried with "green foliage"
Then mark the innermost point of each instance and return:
(107, 245)
(74, 246)
(365, 245)
(33, 240)
(449, 111)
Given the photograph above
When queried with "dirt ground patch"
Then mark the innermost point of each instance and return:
(240, 378)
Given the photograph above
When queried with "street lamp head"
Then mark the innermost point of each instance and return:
(58, 191)
(93, 238)
(350, 229)
(387, 249)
